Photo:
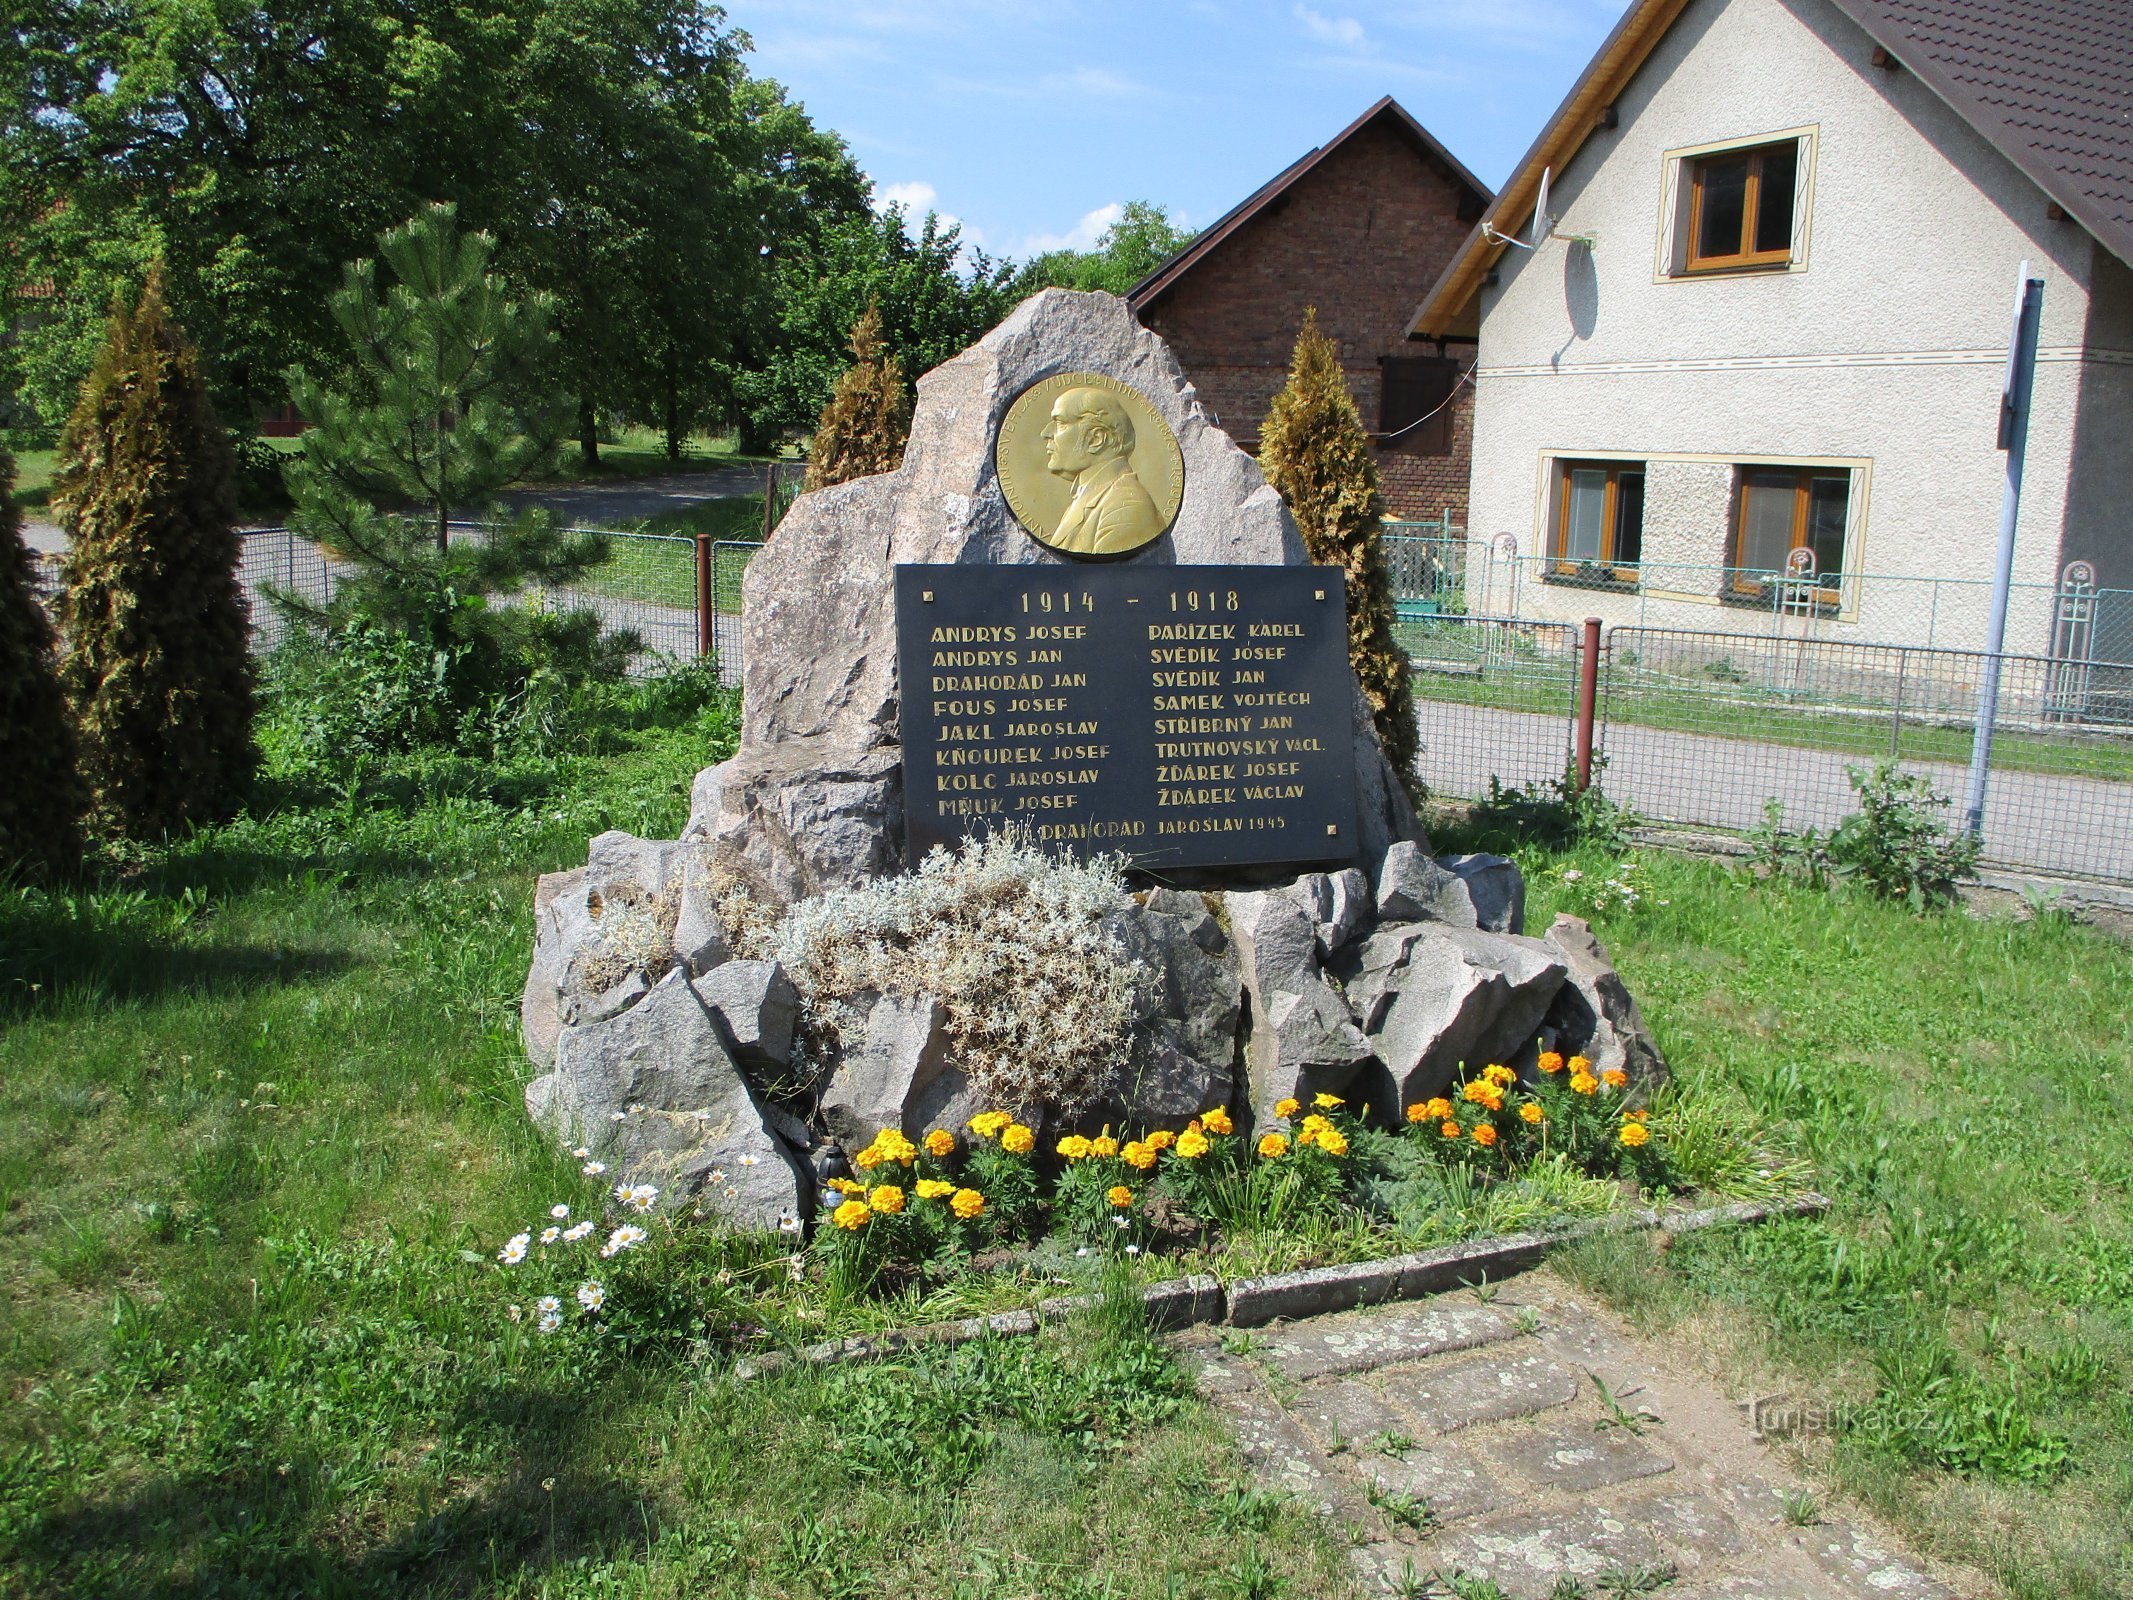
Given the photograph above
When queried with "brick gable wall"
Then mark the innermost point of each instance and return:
(1361, 237)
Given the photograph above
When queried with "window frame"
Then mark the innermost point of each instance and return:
(1562, 565)
(1679, 168)
(1747, 258)
(1743, 581)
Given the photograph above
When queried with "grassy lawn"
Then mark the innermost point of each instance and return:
(263, 1133)
(33, 477)
(642, 453)
(662, 571)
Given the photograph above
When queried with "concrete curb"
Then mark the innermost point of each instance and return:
(1313, 1292)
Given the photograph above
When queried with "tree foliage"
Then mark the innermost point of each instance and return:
(863, 428)
(1140, 240)
(41, 801)
(434, 411)
(1315, 451)
(156, 661)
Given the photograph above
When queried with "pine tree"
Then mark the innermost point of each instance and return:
(441, 407)
(868, 419)
(1315, 451)
(41, 800)
(156, 662)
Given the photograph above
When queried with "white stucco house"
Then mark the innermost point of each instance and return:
(1773, 316)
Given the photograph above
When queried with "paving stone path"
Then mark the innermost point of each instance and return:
(1474, 1437)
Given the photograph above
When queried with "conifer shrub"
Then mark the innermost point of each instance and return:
(864, 427)
(156, 663)
(41, 800)
(1315, 451)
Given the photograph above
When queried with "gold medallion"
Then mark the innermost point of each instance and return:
(1088, 467)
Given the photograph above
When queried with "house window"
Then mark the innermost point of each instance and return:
(1741, 207)
(1414, 401)
(1599, 519)
(1783, 509)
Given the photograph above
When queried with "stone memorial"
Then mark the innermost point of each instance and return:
(1178, 694)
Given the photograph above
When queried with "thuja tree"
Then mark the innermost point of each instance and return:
(155, 664)
(440, 407)
(41, 800)
(868, 419)
(1315, 452)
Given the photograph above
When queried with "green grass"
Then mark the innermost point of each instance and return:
(642, 453)
(33, 477)
(1964, 1091)
(663, 571)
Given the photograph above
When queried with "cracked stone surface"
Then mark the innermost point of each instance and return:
(1458, 1437)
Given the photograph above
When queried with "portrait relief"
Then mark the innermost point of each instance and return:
(1088, 467)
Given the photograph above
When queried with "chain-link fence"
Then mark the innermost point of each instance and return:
(1495, 698)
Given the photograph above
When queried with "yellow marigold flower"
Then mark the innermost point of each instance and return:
(932, 1189)
(1307, 1136)
(1497, 1073)
(1192, 1145)
(889, 1145)
(1315, 1123)
(967, 1203)
(1273, 1145)
(1615, 1078)
(987, 1124)
(1584, 1083)
(1476, 1091)
(1418, 1113)
(1579, 1064)
(869, 1157)
(1439, 1107)
(1333, 1141)
(1217, 1121)
(887, 1199)
(1018, 1140)
(1138, 1154)
(1161, 1139)
(1551, 1062)
(851, 1216)
(1287, 1108)
(1635, 1116)
(1074, 1147)
(1449, 1128)
(1634, 1134)
(1103, 1146)
(1485, 1134)
(846, 1186)
(1530, 1111)
(940, 1142)
(1326, 1102)
(1119, 1195)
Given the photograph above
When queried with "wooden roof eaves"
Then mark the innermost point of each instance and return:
(1267, 193)
(1642, 26)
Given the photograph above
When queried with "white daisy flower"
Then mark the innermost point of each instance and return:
(547, 1303)
(788, 1224)
(549, 1321)
(514, 1250)
(622, 1191)
(614, 1116)
(593, 1169)
(750, 1161)
(577, 1231)
(581, 1152)
(718, 1175)
(591, 1296)
(1133, 1249)
(626, 1237)
(559, 1212)
(640, 1197)
(549, 1235)
(1118, 1222)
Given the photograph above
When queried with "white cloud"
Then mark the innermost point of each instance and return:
(916, 198)
(1082, 236)
(1330, 30)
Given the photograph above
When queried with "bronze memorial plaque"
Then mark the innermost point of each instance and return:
(1183, 716)
(1088, 467)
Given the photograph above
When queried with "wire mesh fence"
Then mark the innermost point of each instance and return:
(1495, 698)
(1705, 729)
(729, 561)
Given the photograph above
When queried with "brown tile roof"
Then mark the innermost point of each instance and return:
(2048, 82)
(1205, 241)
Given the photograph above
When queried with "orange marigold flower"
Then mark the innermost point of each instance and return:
(1634, 1134)
(1551, 1061)
(1161, 1139)
(1614, 1078)
(869, 1157)
(1497, 1073)
(940, 1142)
(967, 1203)
(1273, 1145)
(1485, 1134)
(1530, 1111)
(1635, 1116)
(1018, 1140)
(1439, 1107)
(1579, 1064)
(1287, 1108)
(1418, 1112)
(1477, 1091)
(1333, 1141)
(1138, 1155)
(1119, 1195)
(1217, 1121)
(1449, 1128)
(1584, 1083)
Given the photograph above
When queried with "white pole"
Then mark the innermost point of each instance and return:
(2014, 439)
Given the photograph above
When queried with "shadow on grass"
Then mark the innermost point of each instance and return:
(279, 1529)
(60, 963)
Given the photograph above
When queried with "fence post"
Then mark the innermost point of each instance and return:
(1588, 699)
(706, 600)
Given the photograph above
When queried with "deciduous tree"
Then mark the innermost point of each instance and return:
(156, 662)
(1315, 451)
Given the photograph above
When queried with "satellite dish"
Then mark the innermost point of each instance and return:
(1543, 224)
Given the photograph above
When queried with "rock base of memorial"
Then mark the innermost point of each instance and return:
(673, 1061)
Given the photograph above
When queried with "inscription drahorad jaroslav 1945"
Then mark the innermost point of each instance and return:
(1179, 715)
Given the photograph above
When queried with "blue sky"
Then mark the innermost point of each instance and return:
(1032, 123)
